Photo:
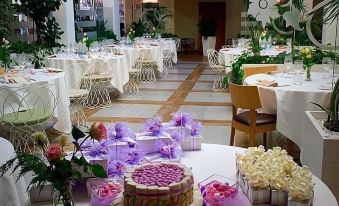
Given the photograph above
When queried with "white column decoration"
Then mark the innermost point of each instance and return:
(65, 17)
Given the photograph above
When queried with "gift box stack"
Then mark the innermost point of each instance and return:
(272, 177)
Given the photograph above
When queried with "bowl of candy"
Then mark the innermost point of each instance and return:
(103, 192)
(221, 191)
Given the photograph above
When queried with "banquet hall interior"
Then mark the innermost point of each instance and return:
(169, 102)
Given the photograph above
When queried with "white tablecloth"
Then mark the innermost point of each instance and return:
(231, 54)
(291, 102)
(59, 88)
(153, 53)
(219, 159)
(12, 193)
(164, 43)
(116, 65)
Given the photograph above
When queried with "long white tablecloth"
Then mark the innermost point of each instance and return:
(291, 101)
(12, 193)
(116, 65)
(60, 90)
(153, 53)
(220, 159)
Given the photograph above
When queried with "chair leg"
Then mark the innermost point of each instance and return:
(264, 139)
(232, 136)
(252, 139)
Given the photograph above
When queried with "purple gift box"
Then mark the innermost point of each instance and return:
(192, 143)
(116, 149)
(183, 131)
(147, 142)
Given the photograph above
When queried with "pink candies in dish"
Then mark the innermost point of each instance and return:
(218, 192)
(109, 189)
(158, 175)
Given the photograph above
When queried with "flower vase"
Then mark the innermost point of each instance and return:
(64, 198)
(308, 74)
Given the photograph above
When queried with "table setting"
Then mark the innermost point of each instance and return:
(55, 78)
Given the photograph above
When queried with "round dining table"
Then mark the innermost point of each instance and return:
(290, 98)
(57, 84)
(12, 191)
(153, 53)
(220, 160)
(115, 65)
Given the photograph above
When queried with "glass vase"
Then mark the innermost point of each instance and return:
(64, 197)
(308, 74)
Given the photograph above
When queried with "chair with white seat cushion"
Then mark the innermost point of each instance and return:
(25, 110)
(147, 73)
(100, 80)
(79, 89)
(132, 85)
(213, 59)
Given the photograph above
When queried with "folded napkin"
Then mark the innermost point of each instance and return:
(54, 70)
(15, 79)
(267, 83)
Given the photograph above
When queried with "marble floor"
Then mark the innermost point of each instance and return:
(187, 88)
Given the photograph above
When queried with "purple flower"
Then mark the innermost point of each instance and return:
(134, 156)
(167, 150)
(195, 127)
(181, 119)
(154, 126)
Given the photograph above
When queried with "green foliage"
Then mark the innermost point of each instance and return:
(139, 28)
(5, 53)
(208, 27)
(330, 11)
(52, 33)
(39, 11)
(169, 35)
(103, 32)
(255, 31)
(59, 172)
(5, 19)
(156, 17)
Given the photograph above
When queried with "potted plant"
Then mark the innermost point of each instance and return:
(208, 30)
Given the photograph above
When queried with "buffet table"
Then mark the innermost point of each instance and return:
(219, 159)
(115, 65)
(57, 84)
(12, 193)
(290, 101)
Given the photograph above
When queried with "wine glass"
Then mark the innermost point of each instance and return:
(289, 42)
(288, 63)
(327, 64)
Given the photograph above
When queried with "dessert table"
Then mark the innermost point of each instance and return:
(290, 101)
(57, 84)
(153, 53)
(220, 159)
(115, 65)
(12, 193)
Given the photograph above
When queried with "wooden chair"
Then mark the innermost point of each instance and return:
(249, 121)
(248, 71)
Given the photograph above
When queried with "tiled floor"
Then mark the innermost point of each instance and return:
(187, 88)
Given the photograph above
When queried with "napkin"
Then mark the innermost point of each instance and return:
(267, 83)
(54, 70)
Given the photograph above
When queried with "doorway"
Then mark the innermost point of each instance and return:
(215, 10)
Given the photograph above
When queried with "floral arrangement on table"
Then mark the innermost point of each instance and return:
(5, 53)
(273, 171)
(307, 57)
(131, 36)
(154, 33)
(86, 41)
(55, 167)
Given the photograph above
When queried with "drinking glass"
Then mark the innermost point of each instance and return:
(298, 69)
(288, 63)
(289, 42)
(327, 64)
(235, 42)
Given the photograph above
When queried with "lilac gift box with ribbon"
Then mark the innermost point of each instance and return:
(192, 143)
(147, 141)
(183, 131)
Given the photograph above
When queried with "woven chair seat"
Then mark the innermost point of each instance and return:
(98, 77)
(77, 93)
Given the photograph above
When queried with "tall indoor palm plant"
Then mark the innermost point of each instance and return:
(157, 17)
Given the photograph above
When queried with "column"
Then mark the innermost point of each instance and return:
(112, 15)
(65, 18)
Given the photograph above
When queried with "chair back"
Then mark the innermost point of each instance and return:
(167, 54)
(213, 58)
(177, 43)
(27, 105)
(248, 71)
(75, 73)
(245, 97)
(139, 62)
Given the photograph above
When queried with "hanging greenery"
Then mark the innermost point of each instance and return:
(40, 11)
(5, 18)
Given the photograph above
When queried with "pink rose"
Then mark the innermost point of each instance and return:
(54, 152)
(98, 131)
